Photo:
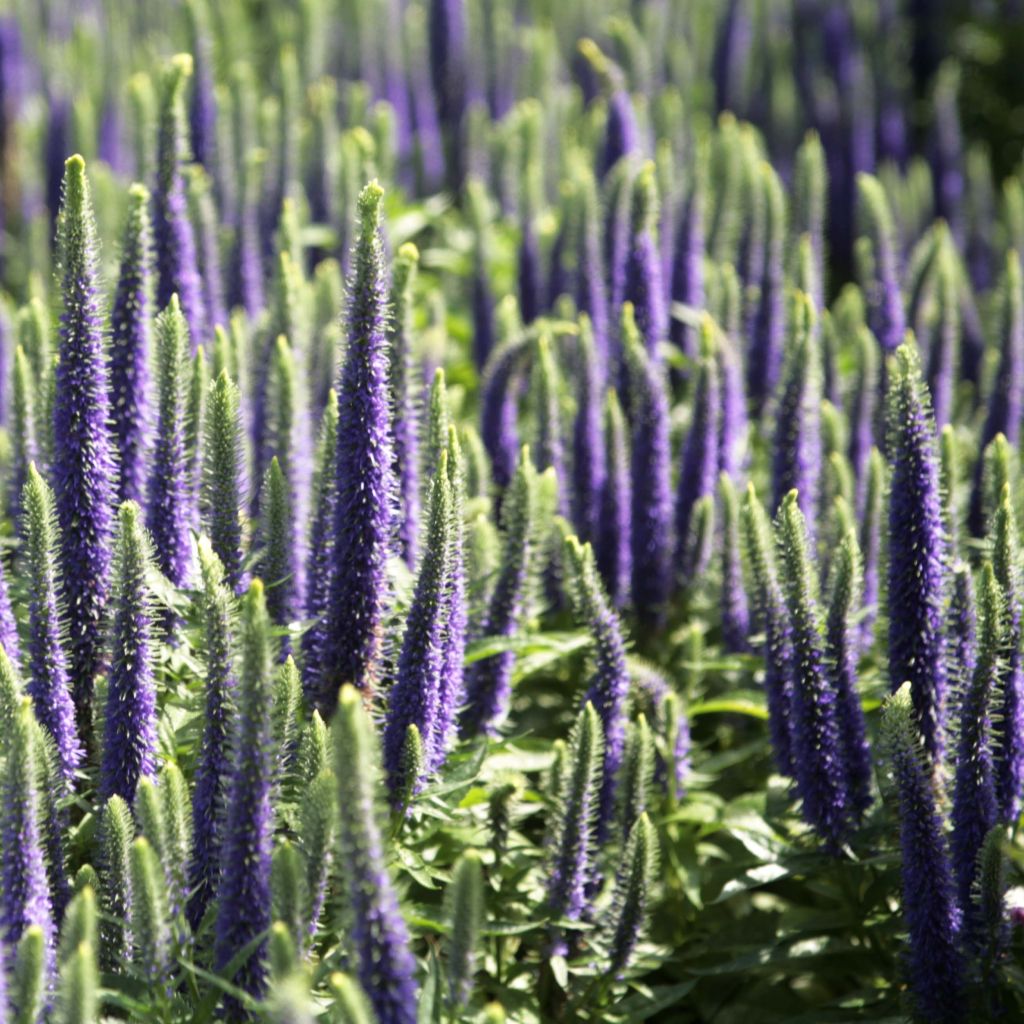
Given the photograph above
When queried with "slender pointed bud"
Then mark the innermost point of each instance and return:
(770, 607)
(277, 546)
(321, 547)
(1009, 748)
(205, 230)
(213, 765)
(312, 756)
(489, 680)
(116, 832)
(130, 325)
(465, 904)
(177, 805)
(289, 897)
(637, 773)
(766, 357)
(195, 428)
(287, 712)
(221, 504)
(842, 642)
(609, 687)
(176, 258)
(365, 478)
(151, 932)
(438, 420)
(810, 192)
(452, 693)
(975, 806)
(24, 888)
(246, 288)
(872, 516)
(733, 424)
(917, 550)
(935, 964)
(80, 924)
(634, 884)
(949, 477)
(885, 302)
(83, 463)
(589, 287)
(616, 194)
(243, 910)
(169, 510)
(379, 936)
(989, 899)
(316, 840)
(863, 413)
(944, 350)
(588, 454)
(614, 542)
(651, 540)
(549, 446)
(30, 977)
(499, 400)
(47, 666)
(796, 459)
(349, 1004)
(414, 698)
(573, 842)
(129, 737)
(23, 428)
(735, 612)
(688, 265)
(819, 760)
(1006, 403)
(700, 453)
(78, 996)
(644, 288)
(404, 412)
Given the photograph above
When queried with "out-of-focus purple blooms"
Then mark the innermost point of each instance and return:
(379, 936)
(886, 316)
(735, 610)
(651, 512)
(589, 288)
(129, 720)
(943, 351)
(863, 412)
(549, 445)
(48, 683)
(483, 298)
(947, 150)
(499, 404)
(404, 411)
(365, 476)
(622, 138)
(643, 284)
(616, 197)
(449, 65)
(206, 229)
(796, 457)
(809, 210)
(202, 109)
(732, 423)
(614, 539)
(764, 364)
(700, 454)
(243, 891)
(129, 349)
(731, 56)
(933, 919)
(83, 464)
(588, 448)
(247, 266)
(688, 267)
(870, 539)
(176, 256)
(917, 550)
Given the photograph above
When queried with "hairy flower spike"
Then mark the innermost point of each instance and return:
(614, 541)
(885, 302)
(588, 447)
(130, 324)
(933, 919)
(735, 611)
(379, 936)
(819, 759)
(917, 550)
(47, 665)
(151, 932)
(277, 546)
(116, 832)
(644, 288)
(176, 257)
(634, 883)
(465, 904)
(83, 464)
(129, 737)
(169, 509)
(22, 427)
(243, 905)
(365, 477)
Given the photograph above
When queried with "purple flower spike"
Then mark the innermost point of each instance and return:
(589, 286)
(644, 288)
(176, 256)
(243, 891)
(83, 465)
(934, 964)
(651, 485)
(449, 59)
(917, 550)
(48, 673)
(129, 349)
(499, 404)
(588, 451)
(365, 477)
(735, 608)
(129, 726)
(170, 499)
(886, 316)
(621, 136)
(688, 266)
(614, 541)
